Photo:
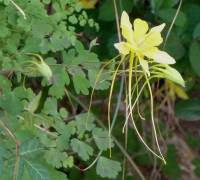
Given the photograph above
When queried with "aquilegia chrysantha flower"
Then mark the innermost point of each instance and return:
(142, 42)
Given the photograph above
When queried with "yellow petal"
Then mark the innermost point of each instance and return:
(159, 56)
(149, 52)
(122, 47)
(163, 57)
(158, 29)
(140, 29)
(145, 65)
(126, 27)
(152, 39)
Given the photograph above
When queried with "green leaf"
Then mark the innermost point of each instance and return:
(80, 56)
(127, 5)
(13, 42)
(5, 84)
(10, 103)
(1, 166)
(68, 162)
(50, 106)
(11, 166)
(188, 110)
(196, 33)
(37, 171)
(22, 93)
(108, 168)
(25, 175)
(4, 31)
(81, 84)
(43, 26)
(84, 122)
(62, 142)
(30, 147)
(175, 47)
(31, 45)
(57, 175)
(194, 55)
(54, 157)
(44, 47)
(3, 154)
(60, 79)
(65, 129)
(46, 140)
(82, 149)
(192, 11)
(156, 4)
(102, 139)
(63, 113)
(107, 12)
(102, 83)
(73, 19)
(169, 3)
(59, 41)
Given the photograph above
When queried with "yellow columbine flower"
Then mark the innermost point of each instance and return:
(142, 42)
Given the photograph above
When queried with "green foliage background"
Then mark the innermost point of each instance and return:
(45, 131)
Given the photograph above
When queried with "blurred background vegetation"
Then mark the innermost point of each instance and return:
(42, 125)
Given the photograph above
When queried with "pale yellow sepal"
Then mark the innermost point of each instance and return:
(180, 92)
(176, 90)
(122, 48)
(163, 57)
(167, 72)
(126, 27)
